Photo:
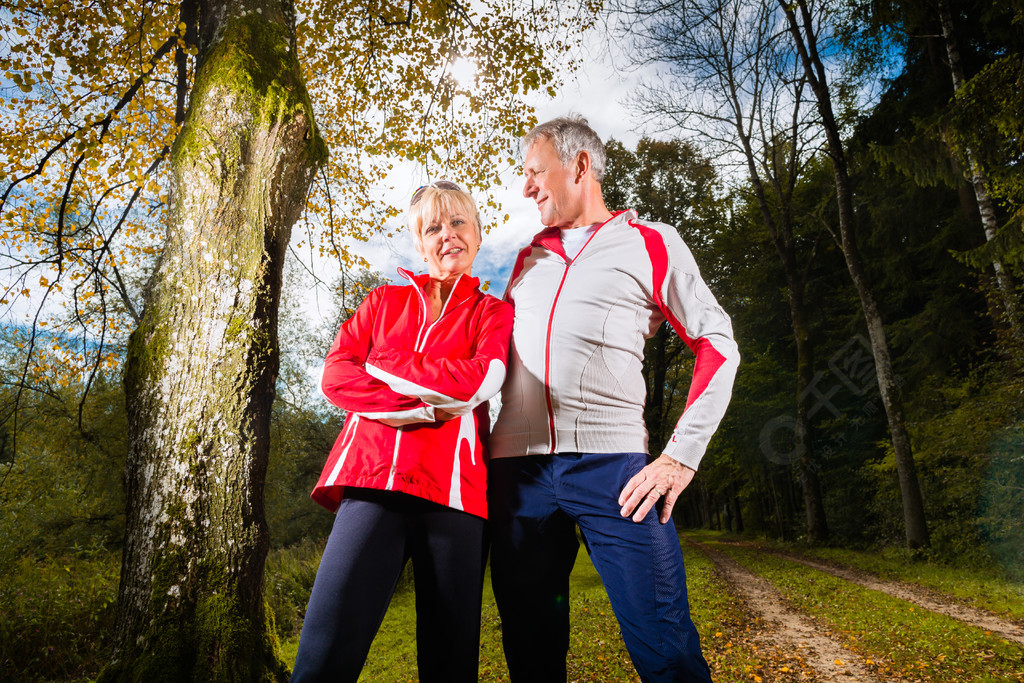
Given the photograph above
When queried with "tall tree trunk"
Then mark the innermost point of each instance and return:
(910, 491)
(814, 506)
(737, 508)
(693, 510)
(807, 466)
(705, 507)
(203, 362)
(776, 507)
(979, 182)
(781, 233)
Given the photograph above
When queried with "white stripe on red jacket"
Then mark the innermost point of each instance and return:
(575, 382)
(390, 367)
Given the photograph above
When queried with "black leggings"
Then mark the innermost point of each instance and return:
(374, 534)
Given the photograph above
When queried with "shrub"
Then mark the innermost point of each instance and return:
(57, 617)
(289, 579)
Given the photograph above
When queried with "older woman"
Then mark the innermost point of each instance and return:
(413, 368)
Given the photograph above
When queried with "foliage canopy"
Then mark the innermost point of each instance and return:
(93, 97)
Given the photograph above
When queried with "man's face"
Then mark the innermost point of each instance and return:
(555, 189)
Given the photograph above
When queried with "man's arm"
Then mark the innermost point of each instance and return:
(690, 307)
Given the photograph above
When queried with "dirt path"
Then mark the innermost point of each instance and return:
(789, 629)
(917, 595)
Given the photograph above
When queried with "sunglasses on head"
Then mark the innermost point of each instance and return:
(438, 185)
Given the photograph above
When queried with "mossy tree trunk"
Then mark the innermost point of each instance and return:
(203, 362)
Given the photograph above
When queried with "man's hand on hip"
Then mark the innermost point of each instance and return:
(664, 477)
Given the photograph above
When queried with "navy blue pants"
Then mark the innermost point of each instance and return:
(374, 534)
(535, 504)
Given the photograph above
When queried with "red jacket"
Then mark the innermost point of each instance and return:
(390, 367)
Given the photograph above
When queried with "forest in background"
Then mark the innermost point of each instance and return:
(956, 344)
(808, 448)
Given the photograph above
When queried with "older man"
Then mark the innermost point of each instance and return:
(569, 446)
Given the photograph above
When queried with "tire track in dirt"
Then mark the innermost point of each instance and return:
(826, 656)
(918, 595)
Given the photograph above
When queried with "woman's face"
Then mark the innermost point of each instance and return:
(449, 243)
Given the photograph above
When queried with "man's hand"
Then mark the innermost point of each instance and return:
(663, 477)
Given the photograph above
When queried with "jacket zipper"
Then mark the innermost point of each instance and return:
(420, 343)
(444, 309)
(547, 360)
(547, 340)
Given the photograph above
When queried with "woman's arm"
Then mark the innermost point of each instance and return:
(454, 385)
(348, 385)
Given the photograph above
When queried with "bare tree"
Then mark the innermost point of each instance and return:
(729, 81)
(804, 21)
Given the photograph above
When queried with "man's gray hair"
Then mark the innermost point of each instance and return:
(571, 135)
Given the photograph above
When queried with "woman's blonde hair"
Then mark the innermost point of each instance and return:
(437, 198)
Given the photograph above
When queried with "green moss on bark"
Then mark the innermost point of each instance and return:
(209, 641)
(147, 348)
(242, 162)
(255, 62)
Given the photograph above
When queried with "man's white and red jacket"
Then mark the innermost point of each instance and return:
(390, 367)
(575, 382)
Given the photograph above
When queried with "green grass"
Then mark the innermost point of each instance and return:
(983, 587)
(596, 650)
(894, 636)
(289, 579)
(57, 617)
(977, 587)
